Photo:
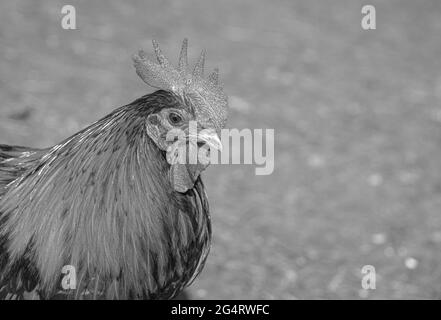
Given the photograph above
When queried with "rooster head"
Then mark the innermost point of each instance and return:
(202, 103)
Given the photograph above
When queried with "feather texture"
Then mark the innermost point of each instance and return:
(101, 202)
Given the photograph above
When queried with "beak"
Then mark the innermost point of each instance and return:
(210, 137)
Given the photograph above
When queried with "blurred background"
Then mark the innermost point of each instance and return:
(357, 121)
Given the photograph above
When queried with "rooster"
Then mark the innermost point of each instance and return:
(108, 203)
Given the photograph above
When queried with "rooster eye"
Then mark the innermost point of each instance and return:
(174, 118)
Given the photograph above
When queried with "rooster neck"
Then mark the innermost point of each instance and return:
(101, 201)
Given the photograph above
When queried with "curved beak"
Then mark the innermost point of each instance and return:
(211, 138)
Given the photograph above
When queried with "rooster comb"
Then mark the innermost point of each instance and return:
(206, 95)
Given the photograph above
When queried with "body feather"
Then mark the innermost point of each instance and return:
(100, 201)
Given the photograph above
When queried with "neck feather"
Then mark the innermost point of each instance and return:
(101, 201)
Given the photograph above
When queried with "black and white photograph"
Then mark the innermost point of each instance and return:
(231, 151)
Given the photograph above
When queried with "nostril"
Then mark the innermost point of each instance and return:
(201, 144)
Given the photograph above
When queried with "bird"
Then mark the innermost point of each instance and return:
(106, 213)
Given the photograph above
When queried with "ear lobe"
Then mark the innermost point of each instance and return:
(153, 126)
(153, 119)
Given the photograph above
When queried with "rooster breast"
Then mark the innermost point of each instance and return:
(100, 201)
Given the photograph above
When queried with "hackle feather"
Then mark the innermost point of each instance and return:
(99, 201)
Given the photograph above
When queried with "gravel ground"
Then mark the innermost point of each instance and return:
(356, 115)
